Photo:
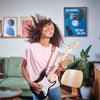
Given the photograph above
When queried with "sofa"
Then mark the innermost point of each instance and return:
(12, 76)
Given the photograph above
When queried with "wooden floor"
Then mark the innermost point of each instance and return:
(31, 98)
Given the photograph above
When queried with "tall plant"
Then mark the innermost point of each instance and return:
(85, 66)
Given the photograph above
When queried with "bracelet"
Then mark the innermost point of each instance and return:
(29, 82)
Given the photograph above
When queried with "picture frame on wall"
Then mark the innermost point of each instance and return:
(24, 22)
(10, 26)
(75, 21)
(0, 28)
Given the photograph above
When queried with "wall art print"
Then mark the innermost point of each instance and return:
(75, 21)
(10, 26)
(25, 21)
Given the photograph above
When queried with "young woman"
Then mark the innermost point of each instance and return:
(42, 35)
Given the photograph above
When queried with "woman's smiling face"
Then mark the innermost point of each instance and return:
(48, 30)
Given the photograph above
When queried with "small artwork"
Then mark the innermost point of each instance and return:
(10, 26)
(0, 28)
(25, 21)
(75, 21)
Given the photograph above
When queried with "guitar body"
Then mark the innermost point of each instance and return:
(46, 85)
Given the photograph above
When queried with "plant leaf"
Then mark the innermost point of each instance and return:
(73, 65)
(87, 50)
(82, 54)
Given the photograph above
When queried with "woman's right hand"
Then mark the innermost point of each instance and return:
(36, 86)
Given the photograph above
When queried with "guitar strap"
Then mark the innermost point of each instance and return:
(52, 51)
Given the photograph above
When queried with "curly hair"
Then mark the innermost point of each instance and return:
(34, 31)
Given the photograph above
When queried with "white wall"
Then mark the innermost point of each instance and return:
(52, 9)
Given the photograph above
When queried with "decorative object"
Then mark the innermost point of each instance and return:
(75, 21)
(10, 27)
(85, 66)
(25, 21)
(0, 28)
(86, 92)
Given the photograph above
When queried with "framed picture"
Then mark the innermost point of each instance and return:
(75, 21)
(25, 21)
(10, 26)
(0, 28)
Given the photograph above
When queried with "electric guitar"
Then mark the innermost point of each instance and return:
(44, 80)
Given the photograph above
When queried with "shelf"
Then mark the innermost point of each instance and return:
(18, 36)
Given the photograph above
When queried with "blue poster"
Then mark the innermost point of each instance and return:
(75, 21)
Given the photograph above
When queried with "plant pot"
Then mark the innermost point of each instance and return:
(86, 92)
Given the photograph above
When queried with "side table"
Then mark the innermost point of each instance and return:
(9, 92)
(96, 90)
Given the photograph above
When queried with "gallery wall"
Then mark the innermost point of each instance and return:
(53, 9)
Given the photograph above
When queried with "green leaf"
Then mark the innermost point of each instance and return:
(87, 66)
(82, 54)
(73, 65)
(87, 50)
(85, 83)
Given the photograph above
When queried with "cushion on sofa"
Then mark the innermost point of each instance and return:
(14, 64)
(1, 68)
(15, 82)
(5, 65)
(2, 79)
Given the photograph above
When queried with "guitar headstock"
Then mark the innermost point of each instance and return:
(72, 47)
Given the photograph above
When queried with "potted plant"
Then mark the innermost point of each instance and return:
(87, 68)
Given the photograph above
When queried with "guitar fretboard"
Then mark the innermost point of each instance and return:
(62, 58)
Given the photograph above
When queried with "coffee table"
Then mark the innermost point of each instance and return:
(9, 92)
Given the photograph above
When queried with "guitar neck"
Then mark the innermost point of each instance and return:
(62, 58)
(56, 67)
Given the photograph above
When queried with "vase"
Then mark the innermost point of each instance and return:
(86, 92)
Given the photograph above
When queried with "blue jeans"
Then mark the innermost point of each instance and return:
(54, 94)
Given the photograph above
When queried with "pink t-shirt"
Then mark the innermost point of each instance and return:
(37, 57)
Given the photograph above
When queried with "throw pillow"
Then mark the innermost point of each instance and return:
(1, 68)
